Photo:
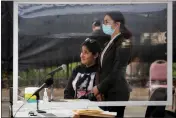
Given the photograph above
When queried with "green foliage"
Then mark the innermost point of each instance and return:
(34, 77)
(174, 70)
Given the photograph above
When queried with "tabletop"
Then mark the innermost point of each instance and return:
(53, 109)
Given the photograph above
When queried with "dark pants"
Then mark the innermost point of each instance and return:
(119, 109)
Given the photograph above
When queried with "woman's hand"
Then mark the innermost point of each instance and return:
(99, 97)
(95, 91)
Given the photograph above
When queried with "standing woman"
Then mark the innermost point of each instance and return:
(113, 62)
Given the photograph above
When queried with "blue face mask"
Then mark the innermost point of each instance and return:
(107, 29)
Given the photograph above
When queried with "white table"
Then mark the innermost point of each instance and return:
(54, 108)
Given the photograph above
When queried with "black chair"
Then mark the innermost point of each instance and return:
(160, 94)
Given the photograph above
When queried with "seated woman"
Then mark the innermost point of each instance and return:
(82, 80)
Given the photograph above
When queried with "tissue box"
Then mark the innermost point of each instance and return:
(28, 93)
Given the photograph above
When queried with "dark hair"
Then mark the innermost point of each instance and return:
(96, 23)
(118, 17)
(92, 45)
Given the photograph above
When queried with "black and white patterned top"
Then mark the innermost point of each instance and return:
(81, 82)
